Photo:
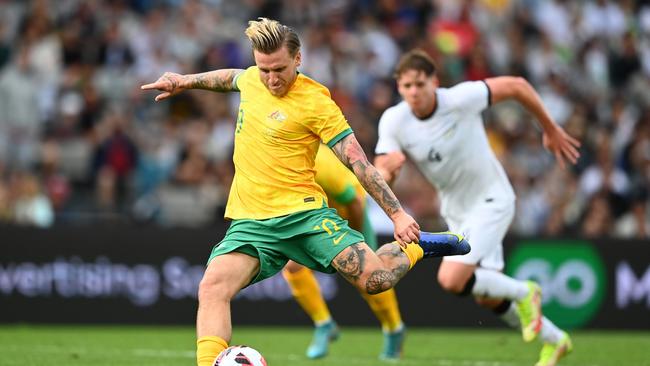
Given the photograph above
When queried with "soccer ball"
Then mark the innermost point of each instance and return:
(239, 356)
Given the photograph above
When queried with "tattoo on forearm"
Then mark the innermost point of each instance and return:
(351, 154)
(219, 80)
(351, 266)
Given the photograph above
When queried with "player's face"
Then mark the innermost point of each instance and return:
(418, 90)
(277, 70)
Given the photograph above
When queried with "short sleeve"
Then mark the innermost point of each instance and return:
(242, 79)
(236, 79)
(387, 140)
(330, 125)
(469, 96)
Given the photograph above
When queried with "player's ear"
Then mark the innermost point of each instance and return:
(298, 58)
(435, 80)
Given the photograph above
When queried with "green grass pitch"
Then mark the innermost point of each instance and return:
(26, 345)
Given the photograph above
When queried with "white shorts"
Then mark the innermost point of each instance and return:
(484, 227)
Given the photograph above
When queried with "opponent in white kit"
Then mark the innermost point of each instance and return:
(441, 131)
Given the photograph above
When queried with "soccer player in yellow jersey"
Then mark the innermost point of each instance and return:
(278, 211)
(347, 196)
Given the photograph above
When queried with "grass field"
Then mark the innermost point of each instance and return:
(22, 345)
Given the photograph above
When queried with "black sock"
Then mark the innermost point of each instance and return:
(502, 307)
(469, 285)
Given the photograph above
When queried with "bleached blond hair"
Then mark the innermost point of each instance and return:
(268, 35)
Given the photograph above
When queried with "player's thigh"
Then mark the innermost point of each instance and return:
(259, 239)
(293, 267)
(320, 238)
(228, 273)
(485, 228)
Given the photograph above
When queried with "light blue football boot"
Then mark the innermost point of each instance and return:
(323, 335)
(393, 345)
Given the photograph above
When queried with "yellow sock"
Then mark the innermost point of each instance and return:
(306, 291)
(208, 348)
(386, 309)
(414, 253)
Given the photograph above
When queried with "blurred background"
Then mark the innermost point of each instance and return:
(111, 202)
(80, 144)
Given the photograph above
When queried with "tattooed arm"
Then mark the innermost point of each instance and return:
(351, 154)
(171, 83)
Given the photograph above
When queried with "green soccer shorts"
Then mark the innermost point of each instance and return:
(312, 238)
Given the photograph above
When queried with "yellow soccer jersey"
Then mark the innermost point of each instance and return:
(276, 139)
(338, 182)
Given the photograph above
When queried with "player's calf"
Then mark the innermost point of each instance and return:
(369, 272)
(374, 273)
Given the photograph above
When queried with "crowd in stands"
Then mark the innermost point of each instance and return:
(80, 143)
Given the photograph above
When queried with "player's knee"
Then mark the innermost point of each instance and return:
(293, 267)
(215, 287)
(455, 284)
(488, 303)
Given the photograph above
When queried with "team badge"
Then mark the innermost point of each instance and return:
(277, 116)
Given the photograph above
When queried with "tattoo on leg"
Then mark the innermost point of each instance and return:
(391, 251)
(400, 271)
(394, 258)
(380, 281)
(351, 266)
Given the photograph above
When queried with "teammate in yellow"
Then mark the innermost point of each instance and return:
(278, 211)
(347, 196)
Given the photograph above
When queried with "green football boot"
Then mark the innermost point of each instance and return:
(530, 312)
(552, 353)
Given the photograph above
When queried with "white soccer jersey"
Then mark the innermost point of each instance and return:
(451, 149)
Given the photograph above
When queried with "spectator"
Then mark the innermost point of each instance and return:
(31, 206)
(68, 74)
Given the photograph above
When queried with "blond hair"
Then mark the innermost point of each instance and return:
(267, 36)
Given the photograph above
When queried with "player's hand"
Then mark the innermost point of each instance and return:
(388, 165)
(560, 144)
(406, 229)
(170, 84)
(393, 160)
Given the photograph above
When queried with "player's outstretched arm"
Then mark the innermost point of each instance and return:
(171, 83)
(351, 154)
(555, 139)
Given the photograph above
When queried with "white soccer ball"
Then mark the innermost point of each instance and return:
(239, 356)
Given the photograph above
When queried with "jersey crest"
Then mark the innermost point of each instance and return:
(278, 116)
